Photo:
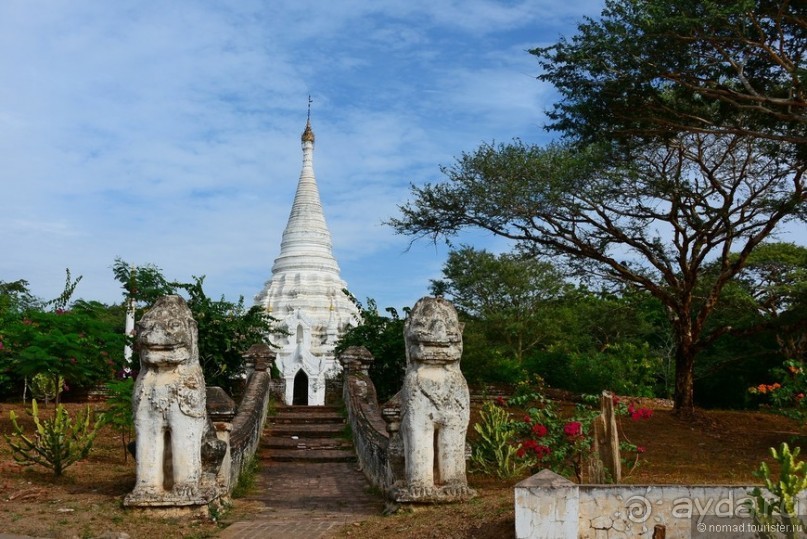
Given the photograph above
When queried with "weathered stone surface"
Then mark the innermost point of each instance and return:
(601, 523)
(548, 505)
(370, 437)
(220, 407)
(169, 409)
(435, 406)
(259, 357)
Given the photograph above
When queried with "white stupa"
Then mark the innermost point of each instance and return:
(306, 293)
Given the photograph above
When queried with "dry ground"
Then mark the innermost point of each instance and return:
(720, 447)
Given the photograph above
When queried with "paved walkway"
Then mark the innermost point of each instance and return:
(304, 499)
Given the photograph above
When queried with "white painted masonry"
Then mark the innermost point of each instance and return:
(549, 506)
(305, 292)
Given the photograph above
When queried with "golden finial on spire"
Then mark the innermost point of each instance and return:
(308, 134)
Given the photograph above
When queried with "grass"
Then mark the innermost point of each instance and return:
(246, 480)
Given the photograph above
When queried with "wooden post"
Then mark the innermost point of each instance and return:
(606, 443)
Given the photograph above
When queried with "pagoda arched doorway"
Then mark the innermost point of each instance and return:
(300, 388)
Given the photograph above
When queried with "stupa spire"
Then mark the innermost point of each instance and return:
(306, 293)
(306, 244)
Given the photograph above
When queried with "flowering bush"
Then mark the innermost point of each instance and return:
(630, 452)
(541, 437)
(786, 397)
(547, 440)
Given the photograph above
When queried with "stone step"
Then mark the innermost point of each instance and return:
(309, 409)
(304, 417)
(304, 430)
(276, 442)
(312, 455)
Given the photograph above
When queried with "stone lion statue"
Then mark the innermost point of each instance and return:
(435, 405)
(169, 406)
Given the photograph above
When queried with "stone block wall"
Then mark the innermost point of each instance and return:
(247, 425)
(550, 506)
(370, 436)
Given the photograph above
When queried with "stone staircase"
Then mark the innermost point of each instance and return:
(307, 434)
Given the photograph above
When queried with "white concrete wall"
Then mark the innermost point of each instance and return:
(549, 506)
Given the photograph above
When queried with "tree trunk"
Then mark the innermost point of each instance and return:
(684, 399)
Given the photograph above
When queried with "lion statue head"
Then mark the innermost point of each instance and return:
(167, 333)
(433, 333)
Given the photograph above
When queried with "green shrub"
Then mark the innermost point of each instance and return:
(495, 452)
(626, 369)
(118, 413)
(59, 442)
(781, 512)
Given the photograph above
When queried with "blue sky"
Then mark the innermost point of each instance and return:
(169, 132)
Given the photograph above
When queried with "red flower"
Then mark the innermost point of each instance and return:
(573, 429)
(527, 419)
(641, 413)
(640, 449)
(539, 430)
(542, 451)
(500, 401)
(529, 444)
(521, 452)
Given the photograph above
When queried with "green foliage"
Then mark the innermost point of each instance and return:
(46, 388)
(58, 443)
(495, 453)
(782, 510)
(626, 368)
(549, 440)
(485, 363)
(653, 68)
(513, 296)
(383, 337)
(226, 331)
(83, 345)
(528, 432)
(788, 395)
(118, 413)
(142, 284)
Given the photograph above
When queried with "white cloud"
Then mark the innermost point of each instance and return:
(169, 132)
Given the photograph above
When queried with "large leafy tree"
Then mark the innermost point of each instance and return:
(659, 67)
(774, 282)
(512, 295)
(226, 329)
(382, 335)
(651, 224)
(77, 342)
